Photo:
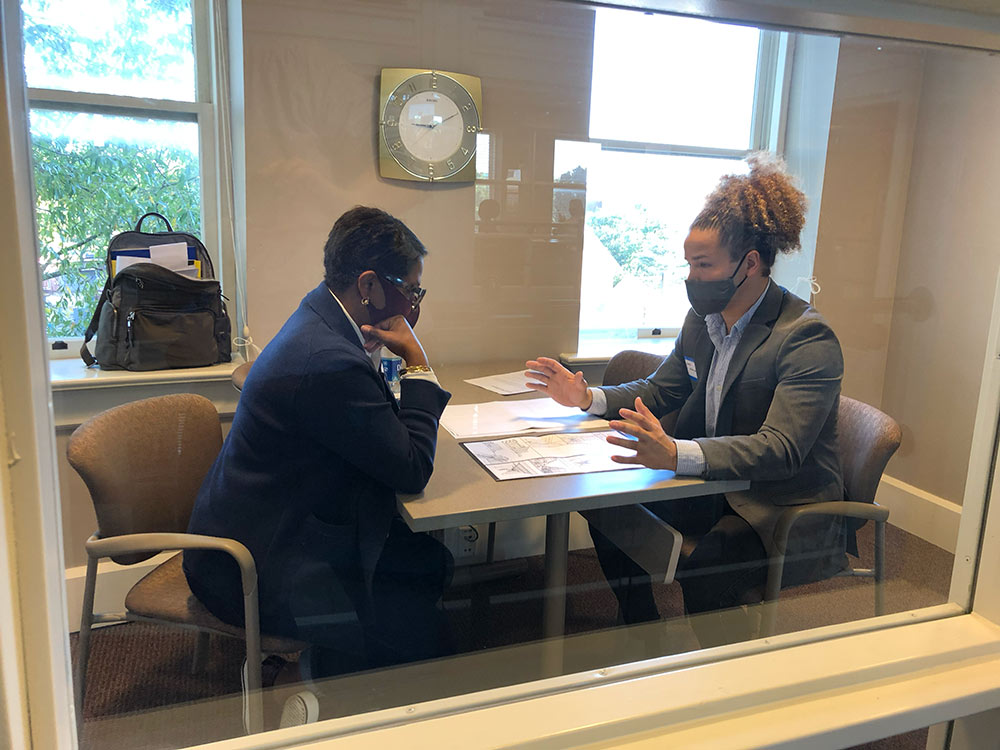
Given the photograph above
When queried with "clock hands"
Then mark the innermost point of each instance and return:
(433, 125)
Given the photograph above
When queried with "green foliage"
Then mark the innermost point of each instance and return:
(137, 48)
(92, 181)
(87, 193)
(644, 247)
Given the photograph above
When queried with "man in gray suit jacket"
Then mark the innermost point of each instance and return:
(754, 380)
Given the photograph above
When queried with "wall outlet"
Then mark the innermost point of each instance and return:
(467, 544)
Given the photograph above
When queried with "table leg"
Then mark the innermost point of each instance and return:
(554, 603)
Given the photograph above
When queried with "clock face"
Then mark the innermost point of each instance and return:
(429, 125)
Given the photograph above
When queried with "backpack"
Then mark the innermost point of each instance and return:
(151, 318)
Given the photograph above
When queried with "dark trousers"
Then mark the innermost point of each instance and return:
(399, 622)
(728, 562)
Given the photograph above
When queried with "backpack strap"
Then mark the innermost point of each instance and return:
(85, 354)
(161, 217)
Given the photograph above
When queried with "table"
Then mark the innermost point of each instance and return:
(462, 492)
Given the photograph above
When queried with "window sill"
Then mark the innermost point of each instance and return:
(73, 374)
(601, 351)
(80, 392)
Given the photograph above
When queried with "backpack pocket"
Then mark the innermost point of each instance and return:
(157, 339)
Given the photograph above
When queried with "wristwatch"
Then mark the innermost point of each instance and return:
(414, 369)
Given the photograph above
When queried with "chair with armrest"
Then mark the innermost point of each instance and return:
(867, 439)
(239, 375)
(143, 463)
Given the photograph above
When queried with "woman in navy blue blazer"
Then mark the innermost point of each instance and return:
(308, 475)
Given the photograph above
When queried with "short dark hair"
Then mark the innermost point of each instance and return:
(367, 238)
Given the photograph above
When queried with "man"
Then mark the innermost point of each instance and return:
(319, 447)
(755, 380)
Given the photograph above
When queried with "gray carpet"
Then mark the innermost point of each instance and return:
(141, 693)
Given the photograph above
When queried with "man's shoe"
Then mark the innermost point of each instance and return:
(301, 708)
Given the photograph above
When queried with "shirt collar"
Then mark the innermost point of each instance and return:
(717, 326)
(375, 356)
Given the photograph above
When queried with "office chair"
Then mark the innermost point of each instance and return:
(867, 439)
(143, 463)
(240, 375)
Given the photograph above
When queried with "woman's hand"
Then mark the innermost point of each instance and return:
(652, 446)
(396, 335)
(558, 383)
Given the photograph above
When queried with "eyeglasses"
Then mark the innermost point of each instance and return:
(413, 293)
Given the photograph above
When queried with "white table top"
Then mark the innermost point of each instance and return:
(462, 492)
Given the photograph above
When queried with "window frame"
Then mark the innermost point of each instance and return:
(961, 648)
(201, 111)
(768, 117)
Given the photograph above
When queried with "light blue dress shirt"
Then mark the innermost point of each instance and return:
(690, 457)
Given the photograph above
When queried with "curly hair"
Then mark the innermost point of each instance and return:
(761, 211)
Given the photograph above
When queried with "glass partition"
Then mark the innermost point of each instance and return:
(603, 134)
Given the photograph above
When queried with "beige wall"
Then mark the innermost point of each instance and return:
(947, 271)
(864, 199)
(312, 77)
(907, 245)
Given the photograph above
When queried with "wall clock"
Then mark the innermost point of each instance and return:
(428, 122)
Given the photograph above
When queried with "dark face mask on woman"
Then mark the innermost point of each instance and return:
(707, 297)
(396, 303)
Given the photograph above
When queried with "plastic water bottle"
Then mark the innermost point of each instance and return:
(391, 365)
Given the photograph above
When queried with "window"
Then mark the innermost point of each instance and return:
(658, 144)
(118, 112)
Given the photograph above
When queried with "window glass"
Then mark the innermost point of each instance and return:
(571, 233)
(141, 48)
(664, 79)
(638, 210)
(95, 175)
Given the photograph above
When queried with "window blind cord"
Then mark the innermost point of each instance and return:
(243, 341)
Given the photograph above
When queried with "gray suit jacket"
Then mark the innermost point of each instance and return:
(777, 423)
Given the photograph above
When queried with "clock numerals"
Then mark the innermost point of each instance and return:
(429, 124)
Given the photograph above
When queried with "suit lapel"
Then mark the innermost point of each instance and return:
(323, 303)
(754, 335)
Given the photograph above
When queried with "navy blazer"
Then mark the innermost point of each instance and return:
(311, 466)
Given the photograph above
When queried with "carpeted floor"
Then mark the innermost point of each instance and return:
(141, 694)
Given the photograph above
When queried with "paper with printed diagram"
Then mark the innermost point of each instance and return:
(548, 455)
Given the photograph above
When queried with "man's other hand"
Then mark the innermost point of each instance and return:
(558, 383)
(652, 446)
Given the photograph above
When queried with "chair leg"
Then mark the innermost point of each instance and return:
(491, 541)
(200, 652)
(83, 650)
(254, 715)
(879, 568)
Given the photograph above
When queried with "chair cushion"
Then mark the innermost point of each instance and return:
(163, 594)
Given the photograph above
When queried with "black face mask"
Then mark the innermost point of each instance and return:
(707, 297)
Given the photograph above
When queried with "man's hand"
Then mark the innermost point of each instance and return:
(395, 334)
(652, 446)
(558, 383)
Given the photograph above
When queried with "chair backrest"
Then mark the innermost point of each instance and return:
(240, 375)
(144, 462)
(867, 438)
(630, 365)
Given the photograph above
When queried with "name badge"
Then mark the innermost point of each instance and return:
(692, 372)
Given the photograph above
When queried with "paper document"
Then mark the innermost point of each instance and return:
(506, 384)
(173, 255)
(496, 418)
(548, 455)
